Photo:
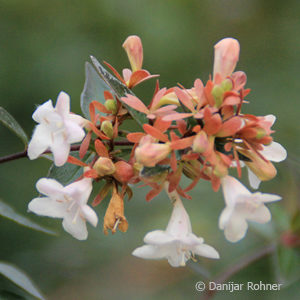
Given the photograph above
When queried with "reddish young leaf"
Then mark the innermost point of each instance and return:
(182, 143)
(91, 174)
(101, 149)
(155, 133)
(135, 137)
(75, 161)
(115, 72)
(85, 145)
(135, 103)
(185, 98)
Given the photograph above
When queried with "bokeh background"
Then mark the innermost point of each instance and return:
(43, 47)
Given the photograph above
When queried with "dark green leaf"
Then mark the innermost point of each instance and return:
(120, 90)
(9, 121)
(152, 171)
(19, 278)
(68, 172)
(93, 89)
(7, 295)
(8, 212)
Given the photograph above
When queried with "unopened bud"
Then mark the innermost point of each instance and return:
(134, 49)
(107, 128)
(124, 171)
(104, 166)
(260, 133)
(200, 143)
(226, 85)
(111, 105)
(150, 154)
(217, 93)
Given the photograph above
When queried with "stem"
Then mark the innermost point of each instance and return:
(22, 154)
(245, 261)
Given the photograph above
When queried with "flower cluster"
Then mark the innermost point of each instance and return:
(201, 133)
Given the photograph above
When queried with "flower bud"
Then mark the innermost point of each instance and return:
(200, 143)
(107, 128)
(149, 154)
(226, 85)
(104, 166)
(111, 105)
(124, 171)
(217, 93)
(134, 49)
(263, 169)
(226, 57)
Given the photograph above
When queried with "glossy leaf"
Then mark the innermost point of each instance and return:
(119, 89)
(9, 121)
(68, 172)
(8, 212)
(19, 278)
(94, 88)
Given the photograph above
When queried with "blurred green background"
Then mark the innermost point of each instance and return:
(44, 45)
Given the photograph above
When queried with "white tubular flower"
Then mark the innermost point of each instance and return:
(68, 203)
(57, 129)
(242, 206)
(177, 243)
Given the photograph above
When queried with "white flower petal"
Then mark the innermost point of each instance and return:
(178, 259)
(149, 252)
(260, 215)
(253, 179)
(63, 104)
(40, 142)
(225, 216)
(75, 226)
(49, 187)
(60, 149)
(179, 224)
(235, 229)
(80, 190)
(232, 189)
(158, 237)
(265, 198)
(42, 111)
(89, 214)
(47, 207)
(207, 251)
(74, 132)
(274, 152)
(270, 118)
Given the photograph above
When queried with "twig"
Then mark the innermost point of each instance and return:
(242, 263)
(22, 154)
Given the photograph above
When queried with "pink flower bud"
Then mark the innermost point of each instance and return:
(201, 143)
(124, 171)
(149, 154)
(226, 57)
(134, 49)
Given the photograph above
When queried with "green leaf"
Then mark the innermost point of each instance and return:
(8, 295)
(120, 90)
(19, 278)
(93, 89)
(9, 121)
(8, 212)
(287, 264)
(152, 171)
(68, 172)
